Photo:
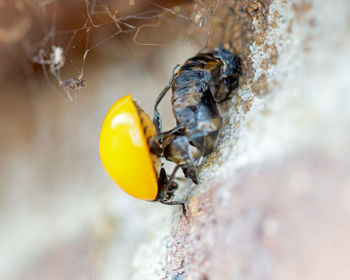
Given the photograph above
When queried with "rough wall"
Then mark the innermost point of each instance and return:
(274, 198)
(273, 202)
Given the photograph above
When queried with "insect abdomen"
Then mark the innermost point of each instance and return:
(190, 83)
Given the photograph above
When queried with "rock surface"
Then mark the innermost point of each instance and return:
(273, 200)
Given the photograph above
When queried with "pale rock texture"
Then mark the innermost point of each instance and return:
(273, 202)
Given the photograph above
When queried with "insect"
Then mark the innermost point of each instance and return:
(125, 153)
(132, 146)
(200, 84)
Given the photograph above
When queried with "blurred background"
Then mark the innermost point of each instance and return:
(64, 63)
(61, 215)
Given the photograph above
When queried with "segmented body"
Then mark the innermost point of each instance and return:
(201, 83)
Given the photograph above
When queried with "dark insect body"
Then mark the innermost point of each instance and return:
(203, 82)
(131, 145)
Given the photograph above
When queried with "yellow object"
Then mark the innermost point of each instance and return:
(124, 149)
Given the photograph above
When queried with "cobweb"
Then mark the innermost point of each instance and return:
(101, 21)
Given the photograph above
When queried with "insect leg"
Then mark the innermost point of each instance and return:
(172, 175)
(169, 132)
(157, 118)
(184, 210)
(167, 188)
(171, 178)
